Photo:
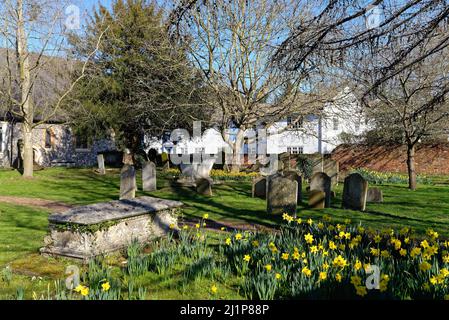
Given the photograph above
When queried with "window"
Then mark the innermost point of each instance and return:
(199, 150)
(335, 123)
(357, 126)
(1, 139)
(81, 142)
(49, 138)
(296, 123)
(295, 150)
(181, 150)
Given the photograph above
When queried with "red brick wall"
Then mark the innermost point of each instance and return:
(430, 159)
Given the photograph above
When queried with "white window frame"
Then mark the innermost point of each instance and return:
(335, 123)
(298, 125)
(295, 150)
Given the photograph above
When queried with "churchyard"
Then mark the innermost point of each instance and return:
(228, 246)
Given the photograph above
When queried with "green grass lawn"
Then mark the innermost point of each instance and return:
(22, 228)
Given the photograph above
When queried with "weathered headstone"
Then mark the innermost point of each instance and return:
(149, 176)
(321, 182)
(355, 191)
(204, 186)
(281, 195)
(260, 188)
(128, 157)
(293, 175)
(317, 199)
(101, 167)
(375, 195)
(127, 182)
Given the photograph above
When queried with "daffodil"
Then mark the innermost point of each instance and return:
(238, 236)
(322, 275)
(285, 256)
(424, 266)
(338, 277)
(268, 267)
(357, 265)
(340, 262)
(247, 258)
(424, 244)
(105, 286)
(356, 280)
(415, 252)
(332, 245)
(309, 238)
(306, 271)
(214, 289)
(361, 291)
(206, 216)
(295, 255)
(375, 252)
(278, 276)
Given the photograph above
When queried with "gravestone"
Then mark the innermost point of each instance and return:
(354, 192)
(191, 172)
(101, 167)
(321, 182)
(375, 195)
(128, 182)
(293, 175)
(204, 186)
(97, 229)
(317, 199)
(259, 189)
(149, 176)
(281, 195)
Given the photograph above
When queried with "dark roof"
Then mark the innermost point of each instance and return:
(51, 80)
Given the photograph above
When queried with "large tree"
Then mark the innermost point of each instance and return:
(139, 83)
(33, 33)
(232, 43)
(411, 106)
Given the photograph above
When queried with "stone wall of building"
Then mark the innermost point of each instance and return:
(61, 151)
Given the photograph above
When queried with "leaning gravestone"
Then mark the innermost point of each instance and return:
(354, 192)
(149, 176)
(317, 199)
(293, 175)
(88, 231)
(101, 167)
(259, 189)
(321, 182)
(128, 182)
(204, 186)
(281, 195)
(375, 195)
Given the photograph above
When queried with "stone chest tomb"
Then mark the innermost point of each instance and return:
(88, 231)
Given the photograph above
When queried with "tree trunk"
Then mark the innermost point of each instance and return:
(28, 157)
(25, 91)
(237, 155)
(411, 166)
